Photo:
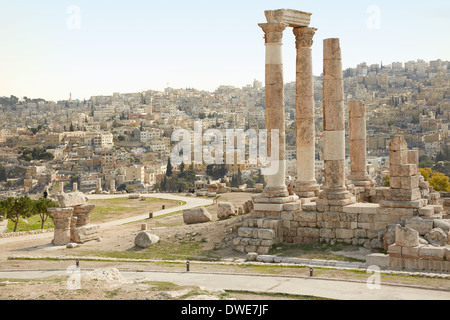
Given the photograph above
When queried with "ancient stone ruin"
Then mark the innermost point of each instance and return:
(403, 219)
(72, 219)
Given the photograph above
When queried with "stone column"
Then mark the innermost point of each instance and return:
(357, 137)
(335, 190)
(306, 184)
(275, 111)
(98, 188)
(275, 197)
(112, 186)
(62, 221)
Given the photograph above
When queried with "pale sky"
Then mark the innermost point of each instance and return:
(50, 48)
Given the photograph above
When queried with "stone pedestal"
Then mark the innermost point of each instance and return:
(306, 184)
(72, 219)
(335, 191)
(404, 177)
(62, 223)
(357, 137)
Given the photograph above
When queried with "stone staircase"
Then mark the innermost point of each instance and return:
(258, 234)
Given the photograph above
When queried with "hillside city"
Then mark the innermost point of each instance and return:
(126, 137)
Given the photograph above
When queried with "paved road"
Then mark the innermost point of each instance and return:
(332, 289)
(191, 202)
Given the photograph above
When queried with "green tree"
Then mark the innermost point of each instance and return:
(3, 174)
(169, 170)
(425, 161)
(387, 181)
(182, 167)
(15, 208)
(40, 207)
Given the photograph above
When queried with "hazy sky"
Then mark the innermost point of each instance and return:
(50, 48)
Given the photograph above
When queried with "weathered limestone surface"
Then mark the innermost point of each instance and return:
(226, 210)
(62, 221)
(293, 18)
(72, 219)
(71, 199)
(335, 191)
(306, 185)
(274, 96)
(357, 137)
(196, 215)
(145, 239)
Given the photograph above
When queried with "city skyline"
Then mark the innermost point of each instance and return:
(87, 49)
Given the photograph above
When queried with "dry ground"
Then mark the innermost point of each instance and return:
(209, 241)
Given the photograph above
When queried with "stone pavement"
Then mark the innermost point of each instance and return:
(332, 289)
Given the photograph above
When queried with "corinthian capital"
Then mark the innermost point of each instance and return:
(273, 31)
(304, 37)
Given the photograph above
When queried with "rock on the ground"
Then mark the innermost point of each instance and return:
(226, 210)
(196, 215)
(145, 239)
(437, 237)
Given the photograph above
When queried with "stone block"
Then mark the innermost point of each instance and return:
(394, 250)
(427, 211)
(411, 264)
(423, 226)
(397, 263)
(226, 210)
(349, 217)
(344, 233)
(306, 216)
(444, 225)
(327, 233)
(410, 252)
(267, 234)
(431, 253)
(308, 232)
(406, 237)
(196, 215)
(378, 259)
(145, 239)
(71, 199)
(359, 233)
(268, 207)
(436, 237)
(292, 206)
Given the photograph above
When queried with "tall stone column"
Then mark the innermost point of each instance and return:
(357, 137)
(335, 190)
(275, 110)
(306, 184)
(275, 195)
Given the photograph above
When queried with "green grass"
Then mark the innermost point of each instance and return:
(106, 209)
(31, 223)
(186, 249)
(110, 208)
